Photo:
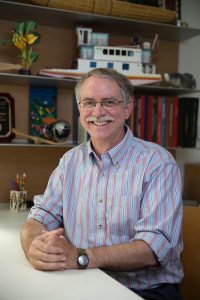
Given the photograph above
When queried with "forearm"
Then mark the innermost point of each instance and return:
(30, 230)
(122, 257)
(46, 250)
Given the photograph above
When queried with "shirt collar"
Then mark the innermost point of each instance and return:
(116, 153)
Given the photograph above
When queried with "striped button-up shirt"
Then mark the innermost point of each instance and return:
(133, 192)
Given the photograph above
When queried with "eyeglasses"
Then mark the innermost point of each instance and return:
(106, 102)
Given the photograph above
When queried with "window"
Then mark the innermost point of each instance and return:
(105, 51)
(130, 53)
(117, 52)
(93, 64)
(111, 52)
(124, 52)
(125, 66)
(110, 65)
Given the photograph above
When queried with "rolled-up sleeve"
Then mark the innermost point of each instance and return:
(161, 210)
(48, 208)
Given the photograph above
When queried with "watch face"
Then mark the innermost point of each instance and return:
(83, 260)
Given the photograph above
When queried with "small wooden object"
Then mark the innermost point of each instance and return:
(18, 200)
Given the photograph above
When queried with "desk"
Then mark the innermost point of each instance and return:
(19, 281)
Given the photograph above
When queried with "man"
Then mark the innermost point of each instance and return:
(117, 197)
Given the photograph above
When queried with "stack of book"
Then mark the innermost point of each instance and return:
(166, 120)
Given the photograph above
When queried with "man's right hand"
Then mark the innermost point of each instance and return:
(43, 255)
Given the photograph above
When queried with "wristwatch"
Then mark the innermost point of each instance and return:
(82, 259)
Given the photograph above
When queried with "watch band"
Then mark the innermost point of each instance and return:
(82, 251)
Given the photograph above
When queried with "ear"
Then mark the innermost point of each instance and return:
(78, 106)
(129, 108)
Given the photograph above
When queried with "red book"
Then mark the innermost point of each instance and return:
(142, 104)
(154, 119)
(138, 122)
(149, 118)
(159, 120)
(136, 125)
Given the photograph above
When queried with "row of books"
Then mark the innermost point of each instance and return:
(166, 120)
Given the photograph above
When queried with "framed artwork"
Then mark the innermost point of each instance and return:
(42, 110)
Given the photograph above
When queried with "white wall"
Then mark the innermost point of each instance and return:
(189, 61)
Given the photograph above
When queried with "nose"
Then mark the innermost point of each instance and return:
(99, 110)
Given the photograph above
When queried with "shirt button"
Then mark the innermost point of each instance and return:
(100, 226)
(100, 200)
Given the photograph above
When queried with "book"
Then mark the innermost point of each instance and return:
(131, 121)
(141, 116)
(149, 118)
(193, 120)
(174, 5)
(159, 120)
(178, 9)
(146, 100)
(187, 121)
(175, 122)
(169, 121)
(154, 119)
(170, 4)
(163, 122)
(181, 120)
(136, 116)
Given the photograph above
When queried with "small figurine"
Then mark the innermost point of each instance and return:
(181, 80)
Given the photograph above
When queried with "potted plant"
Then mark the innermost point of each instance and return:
(24, 37)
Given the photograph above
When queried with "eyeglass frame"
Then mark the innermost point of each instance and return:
(116, 101)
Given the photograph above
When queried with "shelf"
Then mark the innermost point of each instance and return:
(15, 12)
(163, 90)
(16, 79)
(67, 146)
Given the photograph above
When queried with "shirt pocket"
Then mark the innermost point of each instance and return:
(122, 215)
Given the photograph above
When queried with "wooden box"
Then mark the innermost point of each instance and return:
(192, 182)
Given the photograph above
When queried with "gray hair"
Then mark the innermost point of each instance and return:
(118, 78)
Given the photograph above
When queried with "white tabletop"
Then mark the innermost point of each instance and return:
(19, 281)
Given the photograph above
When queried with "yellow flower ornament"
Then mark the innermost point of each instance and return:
(24, 37)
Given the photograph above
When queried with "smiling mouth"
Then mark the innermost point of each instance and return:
(102, 123)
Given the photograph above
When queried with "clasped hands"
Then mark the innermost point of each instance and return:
(52, 251)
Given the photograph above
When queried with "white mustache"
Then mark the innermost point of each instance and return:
(102, 119)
